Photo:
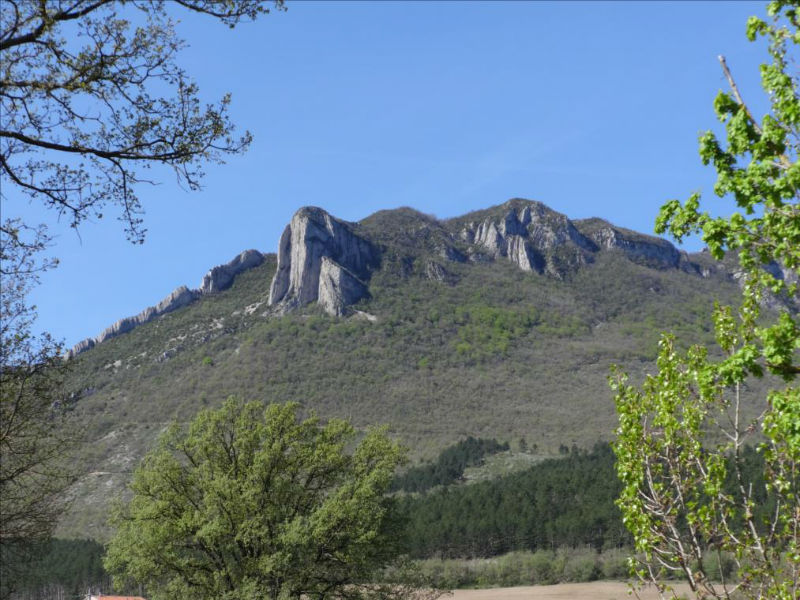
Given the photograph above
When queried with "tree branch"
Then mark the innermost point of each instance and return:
(736, 93)
(47, 22)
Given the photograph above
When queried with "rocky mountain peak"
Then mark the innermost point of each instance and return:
(644, 249)
(321, 258)
(221, 277)
(329, 261)
(528, 233)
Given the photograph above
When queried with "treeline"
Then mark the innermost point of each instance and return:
(559, 503)
(450, 465)
(564, 502)
(67, 569)
(556, 513)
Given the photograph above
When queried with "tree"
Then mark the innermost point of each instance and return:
(682, 446)
(90, 93)
(35, 434)
(252, 502)
(77, 121)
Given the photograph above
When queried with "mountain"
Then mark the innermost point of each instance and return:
(502, 323)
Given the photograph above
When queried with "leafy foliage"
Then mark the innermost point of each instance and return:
(558, 514)
(673, 498)
(252, 502)
(485, 331)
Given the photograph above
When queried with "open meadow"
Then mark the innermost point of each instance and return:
(596, 590)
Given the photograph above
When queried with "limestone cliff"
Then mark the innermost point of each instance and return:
(329, 261)
(320, 258)
(531, 235)
(179, 298)
(644, 249)
(338, 287)
(538, 239)
(221, 277)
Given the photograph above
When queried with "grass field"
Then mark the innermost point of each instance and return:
(596, 590)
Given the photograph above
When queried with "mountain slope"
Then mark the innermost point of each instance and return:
(495, 324)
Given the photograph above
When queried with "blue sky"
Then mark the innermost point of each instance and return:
(592, 108)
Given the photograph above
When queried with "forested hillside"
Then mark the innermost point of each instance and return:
(565, 502)
(487, 349)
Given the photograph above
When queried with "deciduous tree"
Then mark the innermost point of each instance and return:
(670, 460)
(252, 502)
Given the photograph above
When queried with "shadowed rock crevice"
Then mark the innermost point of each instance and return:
(338, 288)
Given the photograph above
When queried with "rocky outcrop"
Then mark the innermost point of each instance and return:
(217, 279)
(650, 251)
(313, 240)
(521, 254)
(452, 254)
(436, 272)
(179, 298)
(770, 299)
(81, 346)
(221, 277)
(325, 260)
(782, 273)
(338, 287)
(538, 239)
(532, 236)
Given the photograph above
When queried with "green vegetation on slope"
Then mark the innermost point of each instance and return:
(64, 569)
(491, 352)
(566, 502)
(552, 522)
(558, 503)
(449, 467)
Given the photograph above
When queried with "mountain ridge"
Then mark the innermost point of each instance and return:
(527, 232)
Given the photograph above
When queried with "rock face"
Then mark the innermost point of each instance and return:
(651, 251)
(452, 254)
(325, 260)
(338, 287)
(314, 241)
(770, 299)
(221, 277)
(538, 239)
(81, 346)
(436, 272)
(532, 236)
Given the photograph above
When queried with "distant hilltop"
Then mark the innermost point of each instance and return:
(328, 261)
